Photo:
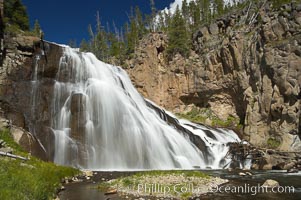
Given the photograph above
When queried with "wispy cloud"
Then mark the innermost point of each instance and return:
(173, 6)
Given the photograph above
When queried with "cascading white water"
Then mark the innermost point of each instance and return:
(101, 122)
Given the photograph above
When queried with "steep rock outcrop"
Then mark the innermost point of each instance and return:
(245, 65)
(26, 103)
(1, 30)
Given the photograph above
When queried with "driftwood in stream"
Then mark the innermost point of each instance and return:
(12, 155)
(262, 158)
(111, 191)
(240, 152)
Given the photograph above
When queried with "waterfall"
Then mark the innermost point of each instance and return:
(101, 122)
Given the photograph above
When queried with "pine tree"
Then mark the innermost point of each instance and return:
(84, 46)
(178, 38)
(132, 34)
(195, 15)
(218, 7)
(185, 11)
(37, 29)
(140, 23)
(15, 15)
(102, 45)
(153, 16)
(205, 10)
(98, 40)
(72, 43)
(167, 17)
(161, 22)
(101, 40)
(117, 47)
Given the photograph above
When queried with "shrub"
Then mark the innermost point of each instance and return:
(273, 143)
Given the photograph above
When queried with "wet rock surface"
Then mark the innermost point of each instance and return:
(29, 61)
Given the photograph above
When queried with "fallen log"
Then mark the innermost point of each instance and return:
(112, 191)
(12, 155)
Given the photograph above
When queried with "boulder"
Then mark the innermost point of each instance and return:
(242, 174)
(294, 170)
(270, 183)
(213, 29)
(289, 165)
(87, 173)
(28, 142)
(4, 123)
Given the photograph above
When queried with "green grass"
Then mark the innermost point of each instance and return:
(200, 115)
(33, 179)
(7, 137)
(229, 122)
(195, 115)
(273, 143)
(127, 182)
(186, 195)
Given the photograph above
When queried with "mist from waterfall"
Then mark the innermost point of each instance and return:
(101, 122)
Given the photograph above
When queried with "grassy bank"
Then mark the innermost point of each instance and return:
(32, 179)
(206, 116)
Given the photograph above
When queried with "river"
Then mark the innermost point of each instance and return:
(87, 190)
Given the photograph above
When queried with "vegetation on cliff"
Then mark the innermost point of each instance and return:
(16, 19)
(108, 42)
(178, 36)
(15, 15)
(119, 44)
(206, 116)
(30, 179)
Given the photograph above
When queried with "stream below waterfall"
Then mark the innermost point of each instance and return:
(87, 190)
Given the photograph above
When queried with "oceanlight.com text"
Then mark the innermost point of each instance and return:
(252, 189)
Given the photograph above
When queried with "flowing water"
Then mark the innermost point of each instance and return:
(101, 122)
(287, 181)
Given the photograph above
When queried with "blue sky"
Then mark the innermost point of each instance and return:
(62, 20)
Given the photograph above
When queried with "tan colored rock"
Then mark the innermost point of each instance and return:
(28, 142)
(270, 183)
(87, 173)
(254, 76)
(222, 106)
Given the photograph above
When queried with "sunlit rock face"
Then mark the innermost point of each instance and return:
(237, 68)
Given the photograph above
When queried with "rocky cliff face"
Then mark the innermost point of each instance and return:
(1, 30)
(245, 65)
(26, 84)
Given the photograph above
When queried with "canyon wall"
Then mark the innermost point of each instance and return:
(245, 65)
(27, 77)
(1, 30)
